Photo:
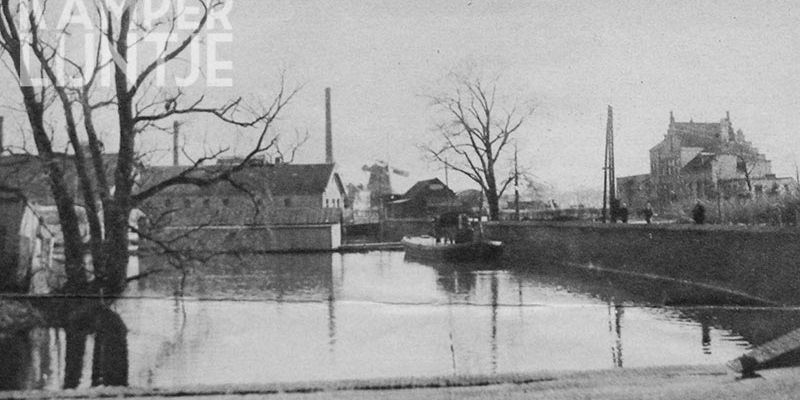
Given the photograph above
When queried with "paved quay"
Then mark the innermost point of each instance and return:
(685, 382)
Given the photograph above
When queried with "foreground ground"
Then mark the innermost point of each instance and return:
(711, 382)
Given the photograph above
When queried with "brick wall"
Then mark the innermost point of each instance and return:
(255, 239)
(759, 261)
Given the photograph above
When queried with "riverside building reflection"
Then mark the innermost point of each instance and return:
(284, 318)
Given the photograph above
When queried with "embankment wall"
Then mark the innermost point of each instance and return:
(393, 230)
(762, 262)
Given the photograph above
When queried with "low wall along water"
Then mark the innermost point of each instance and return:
(761, 262)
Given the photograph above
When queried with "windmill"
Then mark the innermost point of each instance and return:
(380, 183)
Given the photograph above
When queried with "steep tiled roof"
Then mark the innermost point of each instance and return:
(277, 180)
(298, 179)
(26, 172)
(708, 135)
(249, 179)
(422, 187)
(711, 129)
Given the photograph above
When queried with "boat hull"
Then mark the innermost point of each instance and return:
(473, 251)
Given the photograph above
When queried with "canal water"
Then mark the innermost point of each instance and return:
(286, 318)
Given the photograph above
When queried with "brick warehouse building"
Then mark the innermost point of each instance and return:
(264, 207)
(697, 160)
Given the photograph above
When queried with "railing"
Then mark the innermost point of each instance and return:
(567, 214)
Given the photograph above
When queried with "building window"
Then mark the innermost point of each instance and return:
(168, 203)
(327, 203)
(287, 202)
(337, 203)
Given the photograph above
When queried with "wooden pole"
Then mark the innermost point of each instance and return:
(609, 184)
(516, 183)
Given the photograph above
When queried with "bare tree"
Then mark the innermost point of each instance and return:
(474, 134)
(135, 102)
(747, 160)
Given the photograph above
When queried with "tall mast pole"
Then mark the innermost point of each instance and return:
(605, 181)
(612, 181)
(609, 180)
(516, 183)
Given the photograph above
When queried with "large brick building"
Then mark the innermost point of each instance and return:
(262, 207)
(699, 160)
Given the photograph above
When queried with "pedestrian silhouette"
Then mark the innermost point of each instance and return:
(699, 213)
(648, 213)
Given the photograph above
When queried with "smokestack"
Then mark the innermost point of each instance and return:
(328, 128)
(176, 128)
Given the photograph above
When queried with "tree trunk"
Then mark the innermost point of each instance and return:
(115, 252)
(491, 191)
(76, 348)
(110, 356)
(68, 218)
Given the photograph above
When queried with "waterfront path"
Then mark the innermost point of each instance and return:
(689, 382)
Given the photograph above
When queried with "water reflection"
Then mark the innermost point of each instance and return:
(328, 316)
(615, 313)
(77, 337)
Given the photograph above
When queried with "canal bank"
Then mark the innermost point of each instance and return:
(756, 262)
(678, 382)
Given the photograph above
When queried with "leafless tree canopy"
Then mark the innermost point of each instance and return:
(747, 159)
(475, 132)
(136, 104)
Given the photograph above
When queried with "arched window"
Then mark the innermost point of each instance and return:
(327, 203)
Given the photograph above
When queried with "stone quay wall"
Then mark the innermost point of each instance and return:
(393, 230)
(762, 262)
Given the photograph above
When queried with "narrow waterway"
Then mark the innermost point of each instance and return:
(286, 318)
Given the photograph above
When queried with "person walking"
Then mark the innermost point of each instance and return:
(623, 213)
(648, 212)
(699, 213)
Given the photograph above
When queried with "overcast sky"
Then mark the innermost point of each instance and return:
(571, 58)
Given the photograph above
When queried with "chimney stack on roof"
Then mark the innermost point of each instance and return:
(328, 128)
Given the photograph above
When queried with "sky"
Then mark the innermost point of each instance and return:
(570, 58)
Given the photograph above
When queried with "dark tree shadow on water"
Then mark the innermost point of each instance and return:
(110, 353)
(13, 359)
(25, 355)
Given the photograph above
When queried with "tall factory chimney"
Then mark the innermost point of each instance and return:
(176, 129)
(328, 128)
